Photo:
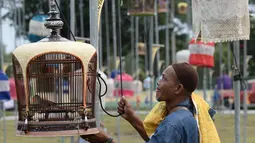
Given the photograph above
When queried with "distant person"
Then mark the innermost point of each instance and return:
(216, 98)
(224, 82)
(9, 72)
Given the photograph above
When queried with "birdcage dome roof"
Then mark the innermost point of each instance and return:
(26, 53)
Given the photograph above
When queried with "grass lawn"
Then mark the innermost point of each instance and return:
(224, 123)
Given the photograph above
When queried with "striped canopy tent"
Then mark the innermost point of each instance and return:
(37, 30)
(4, 87)
(128, 89)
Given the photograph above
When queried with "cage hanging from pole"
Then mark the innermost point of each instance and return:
(141, 7)
(162, 6)
(201, 54)
(55, 80)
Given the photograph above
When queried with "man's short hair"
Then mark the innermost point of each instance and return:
(187, 75)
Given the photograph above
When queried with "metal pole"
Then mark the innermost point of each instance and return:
(1, 42)
(72, 16)
(136, 46)
(157, 36)
(115, 55)
(167, 36)
(132, 43)
(173, 38)
(114, 33)
(4, 120)
(189, 18)
(72, 25)
(24, 20)
(120, 48)
(20, 25)
(150, 59)
(204, 83)
(15, 23)
(245, 91)
(107, 37)
(100, 46)
(93, 12)
(146, 45)
(221, 75)
(81, 17)
(237, 93)
(229, 62)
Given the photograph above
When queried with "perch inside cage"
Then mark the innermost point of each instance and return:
(141, 7)
(55, 80)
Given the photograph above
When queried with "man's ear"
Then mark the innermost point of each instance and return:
(179, 89)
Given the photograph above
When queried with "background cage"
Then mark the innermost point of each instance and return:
(55, 80)
(141, 7)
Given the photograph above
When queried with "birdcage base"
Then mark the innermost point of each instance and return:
(57, 128)
(141, 13)
(58, 133)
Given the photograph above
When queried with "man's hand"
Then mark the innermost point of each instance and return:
(125, 109)
(100, 137)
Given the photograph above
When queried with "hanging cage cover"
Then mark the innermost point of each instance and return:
(141, 7)
(201, 54)
(55, 81)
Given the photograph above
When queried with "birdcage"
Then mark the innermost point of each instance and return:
(55, 80)
(141, 7)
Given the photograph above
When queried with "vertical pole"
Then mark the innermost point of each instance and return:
(229, 62)
(237, 93)
(167, 36)
(15, 23)
(93, 12)
(23, 19)
(114, 33)
(189, 18)
(100, 46)
(2, 114)
(72, 16)
(146, 44)
(132, 43)
(115, 55)
(20, 25)
(81, 5)
(245, 91)
(150, 59)
(205, 83)
(173, 38)
(221, 74)
(157, 35)
(1, 42)
(120, 51)
(72, 25)
(107, 37)
(136, 46)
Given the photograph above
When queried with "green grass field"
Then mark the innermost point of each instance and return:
(224, 123)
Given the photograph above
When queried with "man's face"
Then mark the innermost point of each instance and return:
(167, 85)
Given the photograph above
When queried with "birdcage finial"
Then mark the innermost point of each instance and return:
(53, 22)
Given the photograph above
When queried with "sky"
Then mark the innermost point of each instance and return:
(8, 35)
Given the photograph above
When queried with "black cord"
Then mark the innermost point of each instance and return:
(65, 21)
(100, 96)
(120, 49)
(238, 76)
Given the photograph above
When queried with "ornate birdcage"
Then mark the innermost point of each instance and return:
(141, 7)
(55, 80)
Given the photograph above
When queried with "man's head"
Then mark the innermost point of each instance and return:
(177, 80)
